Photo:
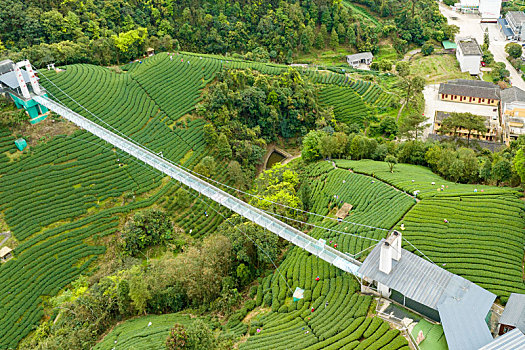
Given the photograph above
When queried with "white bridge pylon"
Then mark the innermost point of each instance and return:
(289, 233)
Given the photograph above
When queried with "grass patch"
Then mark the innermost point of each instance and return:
(437, 68)
(186, 157)
(326, 57)
(487, 76)
(434, 336)
(386, 52)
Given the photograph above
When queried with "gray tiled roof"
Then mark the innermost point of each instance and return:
(469, 47)
(462, 330)
(9, 79)
(516, 16)
(464, 320)
(462, 305)
(507, 31)
(512, 94)
(513, 340)
(441, 115)
(514, 313)
(359, 56)
(411, 276)
(470, 88)
(473, 82)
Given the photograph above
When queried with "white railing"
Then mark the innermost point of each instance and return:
(287, 232)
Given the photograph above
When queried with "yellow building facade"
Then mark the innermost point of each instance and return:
(469, 99)
(513, 113)
(491, 133)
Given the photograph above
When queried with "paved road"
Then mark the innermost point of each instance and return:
(469, 25)
(408, 56)
(431, 96)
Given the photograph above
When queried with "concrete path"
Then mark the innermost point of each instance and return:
(408, 56)
(431, 97)
(7, 235)
(289, 159)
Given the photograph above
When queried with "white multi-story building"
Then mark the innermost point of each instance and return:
(469, 55)
(489, 10)
(513, 113)
(516, 23)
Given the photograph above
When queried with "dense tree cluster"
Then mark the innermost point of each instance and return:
(146, 228)
(196, 336)
(102, 32)
(412, 22)
(248, 109)
(197, 277)
(453, 162)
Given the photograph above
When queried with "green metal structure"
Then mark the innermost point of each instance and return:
(20, 144)
(36, 112)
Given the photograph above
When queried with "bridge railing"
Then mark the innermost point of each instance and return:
(287, 232)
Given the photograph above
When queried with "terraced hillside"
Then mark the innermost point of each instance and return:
(374, 205)
(371, 93)
(339, 317)
(62, 197)
(348, 105)
(352, 101)
(148, 332)
(484, 237)
(331, 315)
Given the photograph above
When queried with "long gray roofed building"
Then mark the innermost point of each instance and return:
(513, 340)
(360, 56)
(512, 94)
(470, 88)
(462, 305)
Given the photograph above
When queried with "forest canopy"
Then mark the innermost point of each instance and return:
(105, 32)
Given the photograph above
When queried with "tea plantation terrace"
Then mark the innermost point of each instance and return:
(313, 246)
(461, 303)
(458, 302)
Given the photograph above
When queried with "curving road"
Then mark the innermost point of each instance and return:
(469, 25)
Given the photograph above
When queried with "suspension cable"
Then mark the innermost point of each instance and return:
(230, 187)
(192, 171)
(197, 197)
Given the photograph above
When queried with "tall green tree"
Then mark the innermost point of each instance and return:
(501, 171)
(412, 126)
(334, 39)
(130, 41)
(311, 150)
(514, 50)
(277, 185)
(138, 290)
(467, 121)
(225, 150)
(519, 163)
(391, 161)
(146, 228)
